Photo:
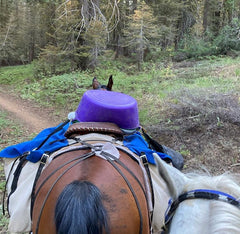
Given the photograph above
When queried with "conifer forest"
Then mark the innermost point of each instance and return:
(63, 35)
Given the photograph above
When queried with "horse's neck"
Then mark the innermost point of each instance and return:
(161, 197)
(208, 216)
(204, 216)
(226, 183)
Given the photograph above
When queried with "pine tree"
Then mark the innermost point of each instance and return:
(140, 32)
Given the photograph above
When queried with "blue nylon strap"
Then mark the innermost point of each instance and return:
(31, 148)
(212, 192)
(198, 194)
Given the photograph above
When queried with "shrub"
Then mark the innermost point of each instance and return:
(53, 61)
(194, 47)
(228, 38)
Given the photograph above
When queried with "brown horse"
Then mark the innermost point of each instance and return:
(95, 185)
(97, 85)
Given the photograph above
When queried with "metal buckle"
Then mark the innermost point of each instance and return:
(26, 153)
(97, 147)
(143, 157)
(44, 158)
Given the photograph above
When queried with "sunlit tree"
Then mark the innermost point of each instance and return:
(140, 31)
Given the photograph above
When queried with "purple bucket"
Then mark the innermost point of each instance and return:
(108, 106)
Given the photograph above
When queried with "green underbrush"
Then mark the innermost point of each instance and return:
(156, 87)
(173, 99)
(16, 75)
(11, 132)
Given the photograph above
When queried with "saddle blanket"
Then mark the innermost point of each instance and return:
(135, 142)
(20, 201)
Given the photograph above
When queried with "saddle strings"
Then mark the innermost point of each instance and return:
(80, 158)
(110, 159)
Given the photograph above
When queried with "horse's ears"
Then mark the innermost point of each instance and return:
(175, 179)
(95, 83)
(110, 83)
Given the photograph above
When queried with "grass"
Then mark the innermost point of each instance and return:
(3, 222)
(16, 74)
(198, 89)
(11, 133)
(153, 87)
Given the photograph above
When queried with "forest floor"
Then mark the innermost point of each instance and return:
(32, 117)
(210, 145)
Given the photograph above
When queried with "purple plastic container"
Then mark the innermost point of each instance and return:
(108, 106)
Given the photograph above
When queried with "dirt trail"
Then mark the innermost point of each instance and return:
(213, 146)
(31, 116)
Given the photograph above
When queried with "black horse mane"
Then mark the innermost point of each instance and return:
(79, 209)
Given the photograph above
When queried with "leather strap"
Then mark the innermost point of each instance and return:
(143, 157)
(82, 128)
(43, 161)
(17, 172)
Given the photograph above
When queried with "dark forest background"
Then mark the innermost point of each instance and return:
(62, 35)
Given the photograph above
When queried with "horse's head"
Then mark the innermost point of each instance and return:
(200, 203)
(97, 85)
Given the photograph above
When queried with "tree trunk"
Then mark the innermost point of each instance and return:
(32, 30)
(134, 4)
(205, 15)
(89, 9)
